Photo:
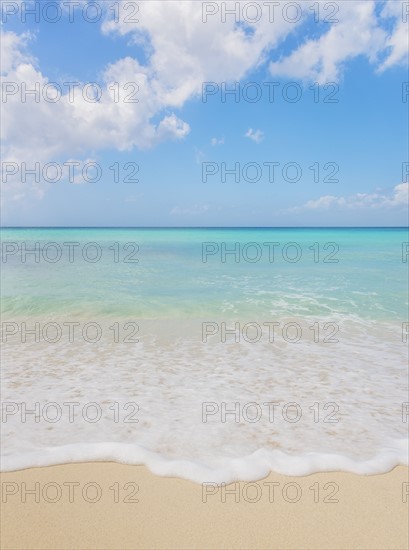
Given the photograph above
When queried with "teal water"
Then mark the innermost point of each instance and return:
(171, 372)
(171, 280)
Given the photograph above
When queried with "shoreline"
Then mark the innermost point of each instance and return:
(109, 505)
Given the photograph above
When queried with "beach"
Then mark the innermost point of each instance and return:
(197, 398)
(341, 511)
(177, 353)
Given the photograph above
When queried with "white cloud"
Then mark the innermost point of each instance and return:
(322, 59)
(13, 51)
(401, 195)
(185, 51)
(255, 135)
(199, 156)
(121, 122)
(398, 198)
(47, 131)
(216, 141)
(194, 210)
(397, 42)
(172, 127)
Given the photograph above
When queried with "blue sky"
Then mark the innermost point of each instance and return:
(172, 136)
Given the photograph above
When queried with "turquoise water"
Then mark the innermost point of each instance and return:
(171, 280)
(171, 372)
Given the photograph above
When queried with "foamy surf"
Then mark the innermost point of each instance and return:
(223, 470)
(226, 373)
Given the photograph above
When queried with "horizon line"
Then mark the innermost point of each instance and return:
(202, 227)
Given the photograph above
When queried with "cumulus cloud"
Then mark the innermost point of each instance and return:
(398, 39)
(121, 119)
(322, 59)
(255, 135)
(398, 198)
(40, 130)
(172, 127)
(187, 50)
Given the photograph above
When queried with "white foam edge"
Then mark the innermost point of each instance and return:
(223, 470)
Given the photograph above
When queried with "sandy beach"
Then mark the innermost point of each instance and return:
(109, 505)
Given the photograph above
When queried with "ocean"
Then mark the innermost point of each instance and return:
(208, 354)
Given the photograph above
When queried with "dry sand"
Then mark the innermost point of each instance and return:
(326, 511)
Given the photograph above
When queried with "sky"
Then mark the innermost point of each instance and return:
(188, 113)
